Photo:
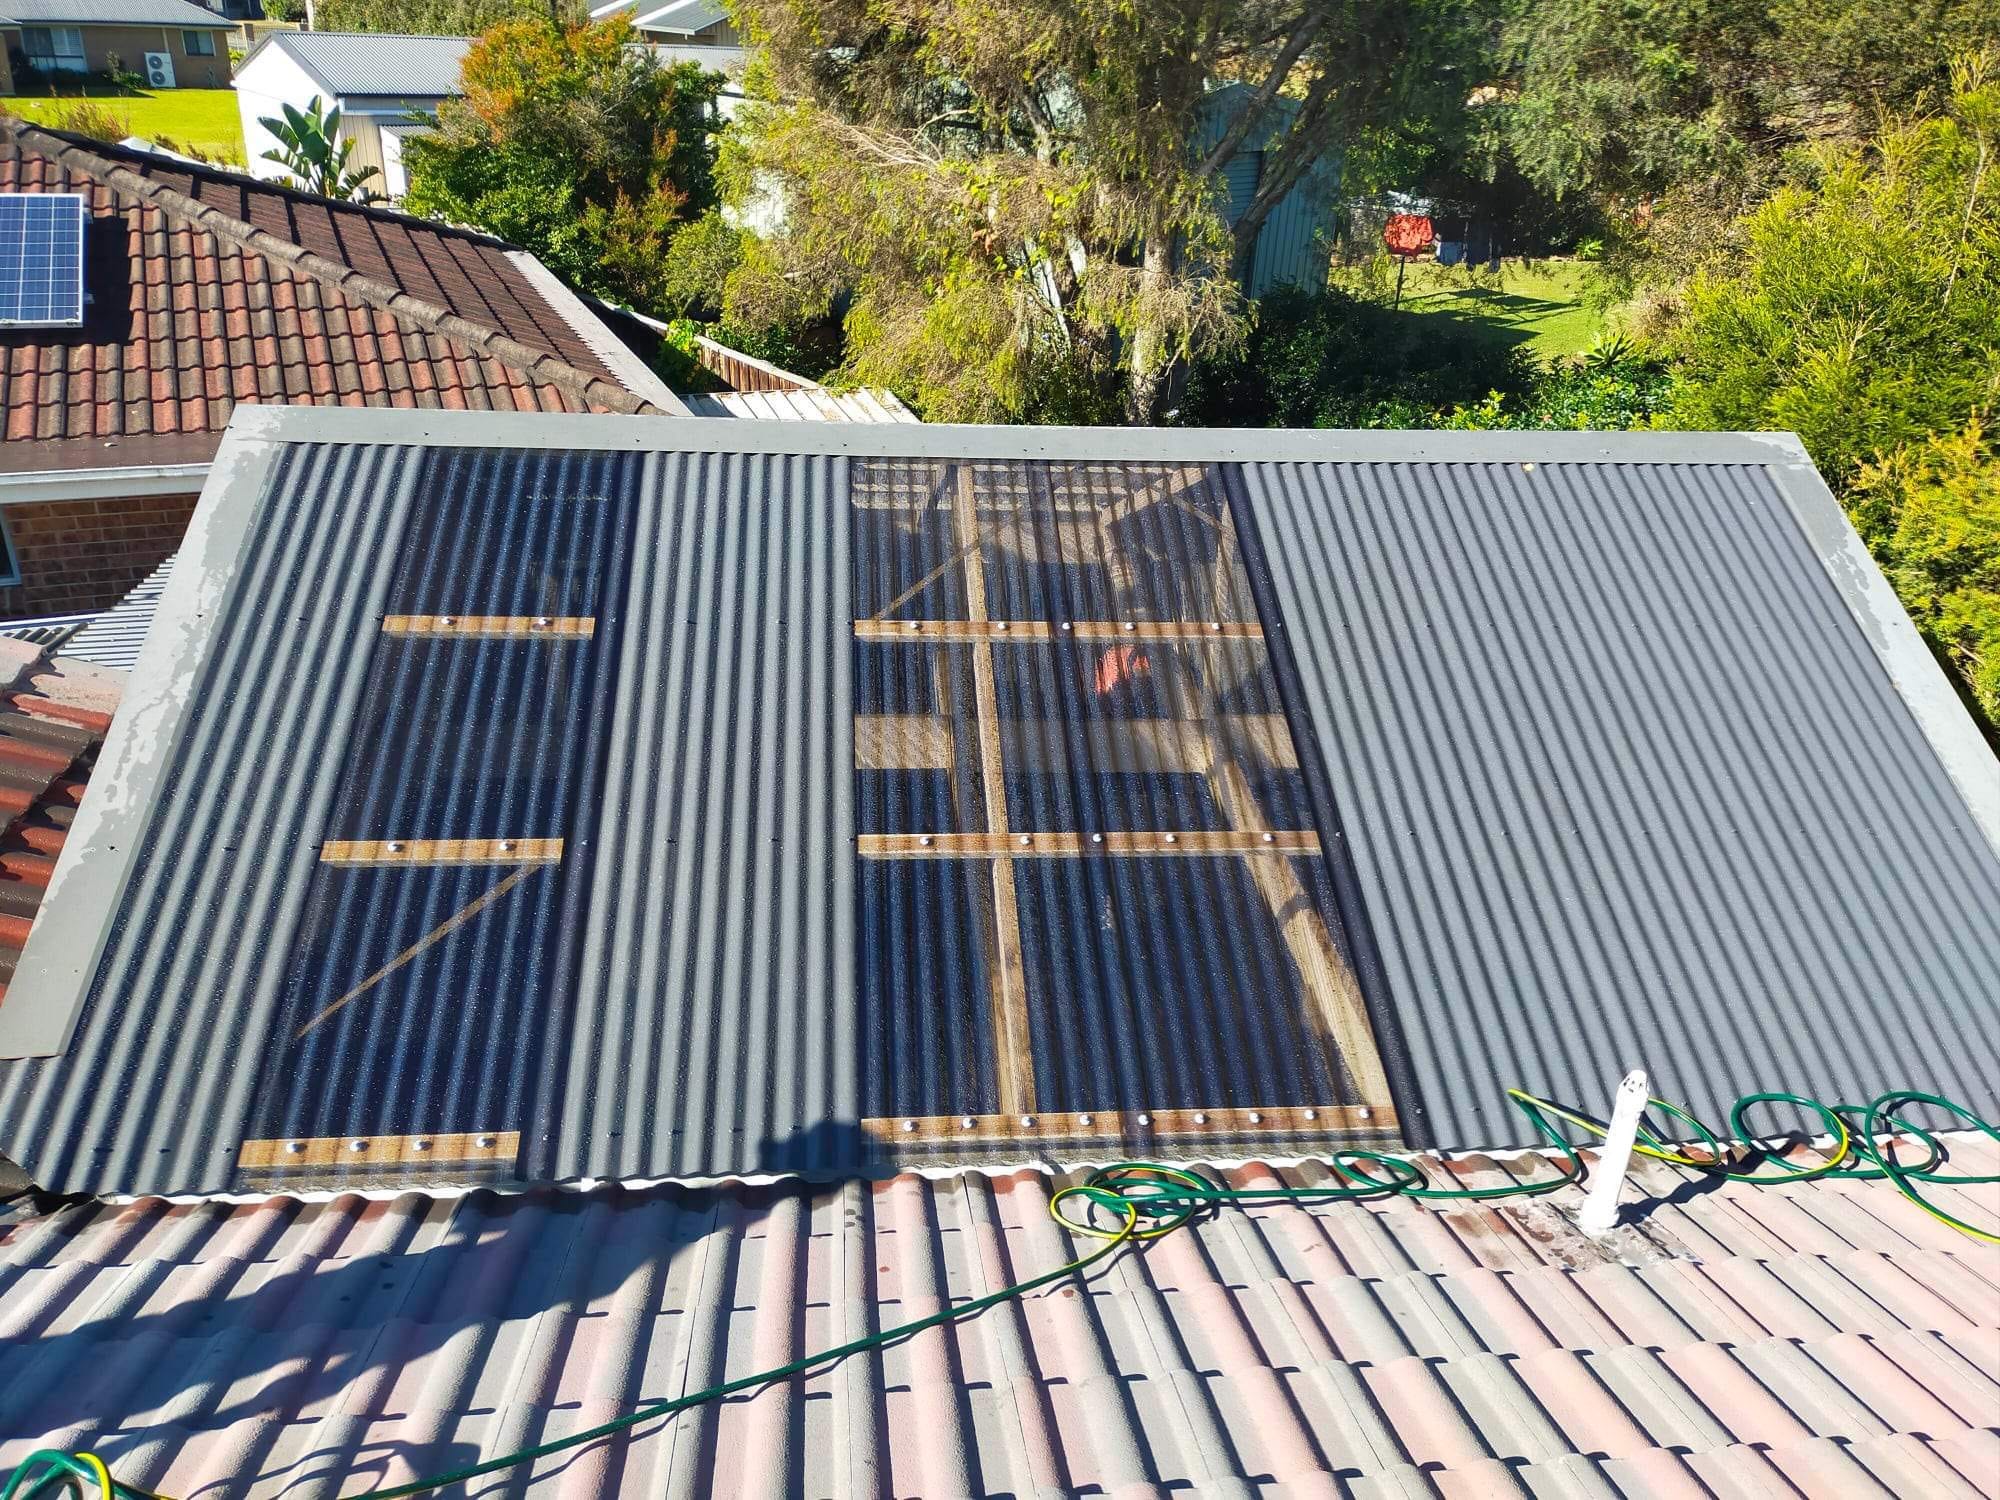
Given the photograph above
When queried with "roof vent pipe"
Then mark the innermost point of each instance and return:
(1614, 1159)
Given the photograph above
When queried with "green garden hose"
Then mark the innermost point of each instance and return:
(1145, 1200)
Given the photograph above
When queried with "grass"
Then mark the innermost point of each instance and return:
(1541, 304)
(205, 119)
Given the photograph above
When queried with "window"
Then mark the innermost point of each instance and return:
(10, 570)
(54, 49)
(198, 43)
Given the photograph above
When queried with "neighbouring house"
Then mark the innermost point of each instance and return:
(384, 85)
(627, 810)
(167, 43)
(203, 288)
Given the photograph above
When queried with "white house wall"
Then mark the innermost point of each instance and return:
(264, 84)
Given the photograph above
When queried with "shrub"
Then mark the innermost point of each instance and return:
(1864, 313)
(1574, 396)
(101, 122)
(1931, 511)
(1333, 359)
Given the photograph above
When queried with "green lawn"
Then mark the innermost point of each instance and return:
(1540, 304)
(205, 119)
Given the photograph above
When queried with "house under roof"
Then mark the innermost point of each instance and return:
(629, 799)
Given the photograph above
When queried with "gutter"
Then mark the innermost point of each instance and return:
(44, 486)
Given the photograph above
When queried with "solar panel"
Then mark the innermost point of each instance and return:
(41, 260)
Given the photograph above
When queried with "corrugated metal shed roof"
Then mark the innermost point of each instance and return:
(813, 404)
(113, 639)
(381, 64)
(761, 905)
(1820, 1340)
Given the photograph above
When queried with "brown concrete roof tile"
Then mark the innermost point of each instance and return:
(208, 287)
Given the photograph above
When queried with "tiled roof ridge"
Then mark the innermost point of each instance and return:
(417, 311)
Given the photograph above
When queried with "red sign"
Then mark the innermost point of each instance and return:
(1408, 234)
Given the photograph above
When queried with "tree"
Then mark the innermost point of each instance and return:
(1628, 100)
(437, 17)
(576, 145)
(1865, 316)
(314, 156)
(1007, 199)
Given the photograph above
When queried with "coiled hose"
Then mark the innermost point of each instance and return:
(1137, 1201)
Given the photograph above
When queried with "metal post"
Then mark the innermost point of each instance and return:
(1600, 1208)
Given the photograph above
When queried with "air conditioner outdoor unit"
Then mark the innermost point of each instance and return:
(160, 70)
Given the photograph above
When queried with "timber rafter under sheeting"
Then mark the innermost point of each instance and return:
(555, 799)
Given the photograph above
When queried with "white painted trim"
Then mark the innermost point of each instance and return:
(42, 486)
(631, 371)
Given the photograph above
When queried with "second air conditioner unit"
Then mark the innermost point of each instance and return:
(159, 70)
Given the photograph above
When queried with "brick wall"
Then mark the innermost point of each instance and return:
(79, 555)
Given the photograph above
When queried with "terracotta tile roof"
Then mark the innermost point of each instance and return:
(54, 715)
(208, 288)
(1824, 1339)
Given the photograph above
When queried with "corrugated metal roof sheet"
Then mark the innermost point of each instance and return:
(113, 638)
(813, 404)
(112, 13)
(1820, 1340)
(698, 979)
(370, 63)
(1623, 781)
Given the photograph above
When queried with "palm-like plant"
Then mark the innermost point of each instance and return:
(311, 151)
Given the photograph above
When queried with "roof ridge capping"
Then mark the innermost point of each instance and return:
(394, 300)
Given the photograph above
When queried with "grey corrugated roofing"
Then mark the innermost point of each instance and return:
(811, 404)
(113, 638)
(382, 64)
(1820, 1340)
(741, 960)
(112, 13)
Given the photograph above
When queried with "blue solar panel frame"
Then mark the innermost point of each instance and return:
(41, 260)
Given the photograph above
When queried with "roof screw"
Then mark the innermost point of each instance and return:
(1200, 1118)
(1173, 838)
(1256, 1118)
(541, 622)
(1025, 840)
(1130, 626)
(967, 1123)
(295, 1147)
(1527, 468)
(1027, 1122)
(1364, 1113)
(506, 846)
(1065, 625)
(1097, 838)
(357, 1145)
(1145, 1119)
(924, 839)
(1312, 1114)
(909, 1124)
(999, 624)
(1083, 1119)
(486, 1143)
(1215, 625)
(420, 1145)
(394, 846)
(446, 620)
(916, 624)
(1270, 838)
